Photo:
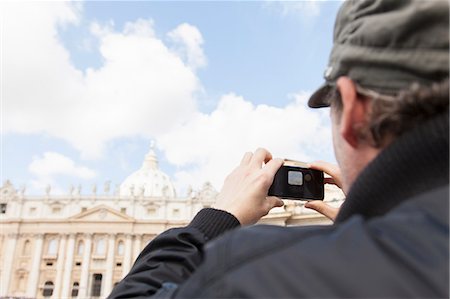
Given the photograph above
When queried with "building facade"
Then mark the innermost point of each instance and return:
(80, 246)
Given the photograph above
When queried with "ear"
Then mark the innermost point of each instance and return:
(353, 113)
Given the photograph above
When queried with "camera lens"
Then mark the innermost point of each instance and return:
(308, 177)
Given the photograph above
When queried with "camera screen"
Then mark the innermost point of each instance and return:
(295, 178)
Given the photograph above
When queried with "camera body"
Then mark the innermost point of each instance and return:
(294, 180)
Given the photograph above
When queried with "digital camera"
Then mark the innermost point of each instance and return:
(294, 180)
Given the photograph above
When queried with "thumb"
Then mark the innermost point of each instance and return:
(322, 208)
(274, 201)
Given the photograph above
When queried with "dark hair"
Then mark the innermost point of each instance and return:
(391, 116)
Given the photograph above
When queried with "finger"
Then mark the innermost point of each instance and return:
(261, 155)
(322, 208)
(331, 169)
(274, 201)
(328, 180)
(246, 158)
(272, 167)
(279, 203)
(325, 167)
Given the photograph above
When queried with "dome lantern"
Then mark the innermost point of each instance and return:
(150, 161)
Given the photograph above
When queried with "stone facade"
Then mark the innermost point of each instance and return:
(79, 246)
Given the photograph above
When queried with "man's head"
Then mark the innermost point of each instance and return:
(388, 71)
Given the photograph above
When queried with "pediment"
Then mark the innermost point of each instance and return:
(101, 213)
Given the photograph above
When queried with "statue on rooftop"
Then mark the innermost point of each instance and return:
(23, 189)
(48, 189)
(107, 186)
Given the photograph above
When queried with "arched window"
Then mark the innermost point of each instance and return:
(48, 289)
(3, 206)
(21, 283)
(101, 247)
(52, 247)
(75, 288)
(80, 248)
(96, 285)
(120, 248)
(26, 248)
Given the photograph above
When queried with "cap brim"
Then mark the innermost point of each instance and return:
(320, 98)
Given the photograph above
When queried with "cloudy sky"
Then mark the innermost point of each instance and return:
(86, 86)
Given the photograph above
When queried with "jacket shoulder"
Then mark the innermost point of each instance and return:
(402, 253)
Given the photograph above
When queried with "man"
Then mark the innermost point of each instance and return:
(387, 85)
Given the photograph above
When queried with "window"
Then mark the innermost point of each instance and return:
(176, 212)
(120, 248)
(80, 248)
(101, 248)
(96, 285)
(75, 288)
(56, 210)
(32, 211)
(123, 210)
(52, 244)
(78, 264)
(151, 211)
(2, 208)
(26, 248)
(48, 289)
(21, 283)
(49, 264)
(83, 209)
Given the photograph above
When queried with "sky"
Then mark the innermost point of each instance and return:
(87, 87)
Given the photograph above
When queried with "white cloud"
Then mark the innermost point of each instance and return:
(188, 41)
(209, 146)
(142, 89)
(52, 163)
(306, 10)
(48, 169)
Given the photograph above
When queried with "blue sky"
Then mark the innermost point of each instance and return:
(86, 86)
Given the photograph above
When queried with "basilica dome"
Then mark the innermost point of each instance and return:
(148, 181)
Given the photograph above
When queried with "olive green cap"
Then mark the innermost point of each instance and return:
(386, 45)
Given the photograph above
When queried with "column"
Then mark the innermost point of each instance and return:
(109, 266)
(20, 207)
(35, 269)
(137, 246)
(67, 285)
(191, 208)
(133, 206)
(126, 264)
(83, 291)
(60, 266)
(8, 260)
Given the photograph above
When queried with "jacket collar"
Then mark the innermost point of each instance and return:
(414, 163)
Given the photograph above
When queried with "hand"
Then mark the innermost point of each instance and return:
(335, 179)
(244, 193)
(334, 172)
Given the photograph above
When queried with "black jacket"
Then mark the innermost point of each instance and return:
(390, 240)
